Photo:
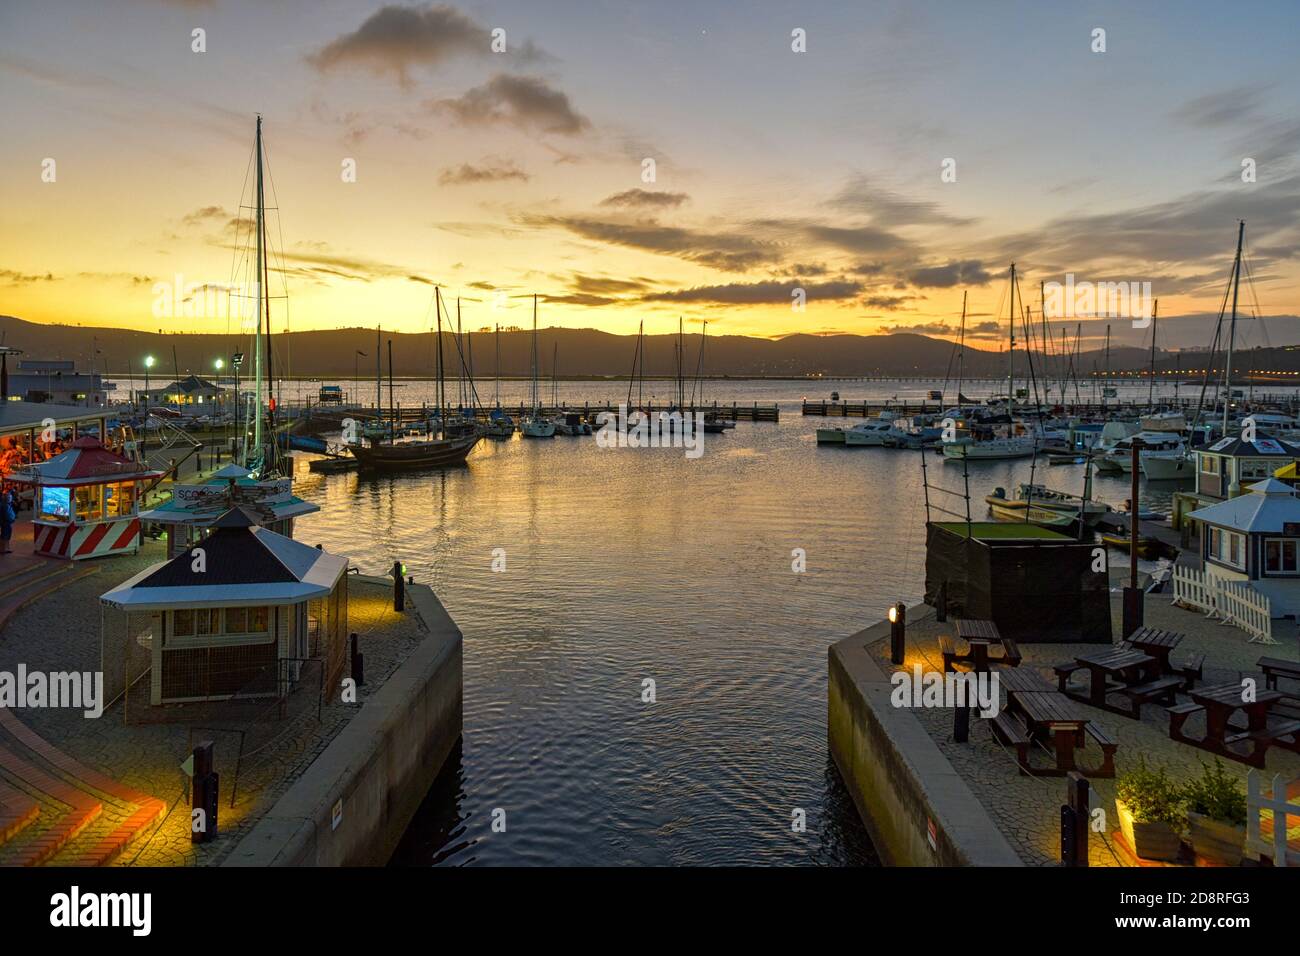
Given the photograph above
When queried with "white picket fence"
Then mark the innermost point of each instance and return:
(1276, 801)
(1229, 602)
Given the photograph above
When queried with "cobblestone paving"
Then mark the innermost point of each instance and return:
(61, 632)
(1027, 809)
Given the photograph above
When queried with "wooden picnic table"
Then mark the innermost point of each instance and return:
(1158, 643)
(979, 636)
(1137, 674)
(1221, 703)
(1049, 713)
(1023, 680)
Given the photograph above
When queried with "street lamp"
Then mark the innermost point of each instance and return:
(237, 360)
(144, 437)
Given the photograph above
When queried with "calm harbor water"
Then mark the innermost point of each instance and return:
(624, 565)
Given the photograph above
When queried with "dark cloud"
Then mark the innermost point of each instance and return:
(858, 239)
(489, 171)
(598, 285)
(921, 328)
(886, 302)
(734, 252)
(963, 272)
(645, 199)
(757, 293)
(396, 38)
(527, 102)
(580, 298)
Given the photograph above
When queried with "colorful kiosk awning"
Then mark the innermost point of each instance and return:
(87, 501)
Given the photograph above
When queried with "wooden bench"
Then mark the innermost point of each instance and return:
(1191, 667)
(1108, 747)
(1011, 732)
(1274, 668)
(1063, 673)
(1178, 716)
(1161, 689)
(1271, 734)
(947, 652)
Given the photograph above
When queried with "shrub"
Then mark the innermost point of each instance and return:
(1151, 796)
(1217, 794)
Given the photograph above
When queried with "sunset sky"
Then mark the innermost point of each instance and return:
(522, 171)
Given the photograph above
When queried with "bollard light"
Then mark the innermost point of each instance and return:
(897, 631)
(399, 586)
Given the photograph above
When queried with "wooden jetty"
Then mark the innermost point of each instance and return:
(327, 418)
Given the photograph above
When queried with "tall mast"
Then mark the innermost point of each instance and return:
(961, 350)
(496, 389)
(1151, 375)
(1106, 381)
(379, 375)
(442, 377)
(1011, 352)
(534, 395)
(257, 345)
(1232, 329)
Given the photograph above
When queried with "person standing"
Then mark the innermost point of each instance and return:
(8, 515)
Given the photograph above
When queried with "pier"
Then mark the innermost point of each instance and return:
(324, 418)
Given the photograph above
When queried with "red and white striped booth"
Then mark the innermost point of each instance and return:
(87, 501)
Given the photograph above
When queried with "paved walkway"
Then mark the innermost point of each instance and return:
(79, 791)
(1027, 809)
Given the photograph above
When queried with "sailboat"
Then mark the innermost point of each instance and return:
(536, 425)
(262, 458)
(500, 425)
(439, 449)
(1004, 439)
(714, 421)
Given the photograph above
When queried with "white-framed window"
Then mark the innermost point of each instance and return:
(1253, 468)
(1226, 547)
(1209, 464)
(203, 626)
(1280, 556)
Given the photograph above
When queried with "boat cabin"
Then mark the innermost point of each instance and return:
(1255, 538)
(1231, 463)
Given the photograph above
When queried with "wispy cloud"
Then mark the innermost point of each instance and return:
(645, 199)
(487, 171)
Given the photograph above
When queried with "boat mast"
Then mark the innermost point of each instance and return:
(257, 345)
(1011, 352)
(442, 378)
(534, 392)
(1106, 381)
(1232, 329)
(379, 375)
(1151, 375)
(496, 388)
(961, 352)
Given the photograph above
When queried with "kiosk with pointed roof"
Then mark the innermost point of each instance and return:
(238, 615)
(86, 501)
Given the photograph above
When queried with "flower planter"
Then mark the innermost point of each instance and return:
(1215, 840)
(1151, 841)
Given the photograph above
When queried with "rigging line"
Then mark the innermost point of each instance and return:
(284, 280)
(237, 247)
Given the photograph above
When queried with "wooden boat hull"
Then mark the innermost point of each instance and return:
(1146, 546)
(409, 456)
(1015, 511)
